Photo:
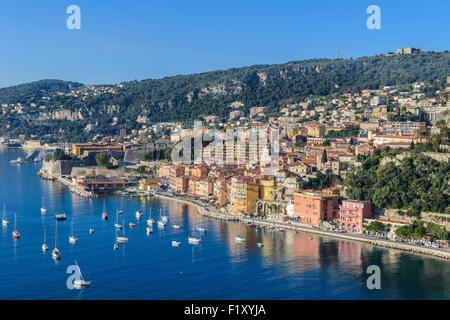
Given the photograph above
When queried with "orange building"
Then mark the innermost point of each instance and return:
(243, 195)
(315, 130)
(199, 171)
(313, 207)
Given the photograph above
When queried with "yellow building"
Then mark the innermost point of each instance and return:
(243, 195)
(266, 189)
(148, 184)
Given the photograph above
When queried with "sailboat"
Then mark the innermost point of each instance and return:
(139, 214)
(163, 220)
(15, 233)
(104, 213)
(56, 254)
(5, 221)
(150, 220)
(117, 225)
(165, 217)
(72, 238)
(122, 239)
(43, 208)
(44, 244)
(80, 283)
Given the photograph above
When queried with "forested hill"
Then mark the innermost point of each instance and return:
(51, 104)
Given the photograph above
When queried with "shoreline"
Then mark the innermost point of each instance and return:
(206, 211)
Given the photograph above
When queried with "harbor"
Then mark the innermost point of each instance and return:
(230, 255)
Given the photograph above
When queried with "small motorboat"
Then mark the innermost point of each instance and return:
(149, 230)
(43, 210)
(150, 222)
(176, 243)
(91, 231)
(194, 240)
(118, 226)
(175, 226)
(310, 238)
(17, 161)
(122, 239)
(16, 234)
(132, 225)
(116, 246)
(239, 239)
(260, 245)
(200, 229)
(61, 217)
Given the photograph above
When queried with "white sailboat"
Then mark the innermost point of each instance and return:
(80, 283)
(122, 239)
(56, 254)
(15, 233)
(117, 225)
(44, 244)
(104, 213)
(72, 238)
(43, 208)
(163, 220)
(5, 221)
(139, 214)
(150, 220)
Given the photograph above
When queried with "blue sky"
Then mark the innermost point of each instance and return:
(126, 40)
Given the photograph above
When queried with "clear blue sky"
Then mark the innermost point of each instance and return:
(136, 39)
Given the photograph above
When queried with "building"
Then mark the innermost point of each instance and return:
(352, 214)
(380, 140)
(243, 195)
(266, 189)
(407, 50)
(79, 149)
(149, 184)
(100, 184)
(314, 207)
(405, 128)
(315, 130)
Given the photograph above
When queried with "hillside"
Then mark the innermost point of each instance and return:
(51, 105)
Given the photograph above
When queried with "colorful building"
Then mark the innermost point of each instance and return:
(314, 207)
(243, 195)
(352, 214)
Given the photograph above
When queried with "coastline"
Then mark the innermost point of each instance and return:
(207, 211)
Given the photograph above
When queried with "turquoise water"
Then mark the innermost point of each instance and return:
(289, 266)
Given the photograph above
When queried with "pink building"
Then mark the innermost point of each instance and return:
(352, 214)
